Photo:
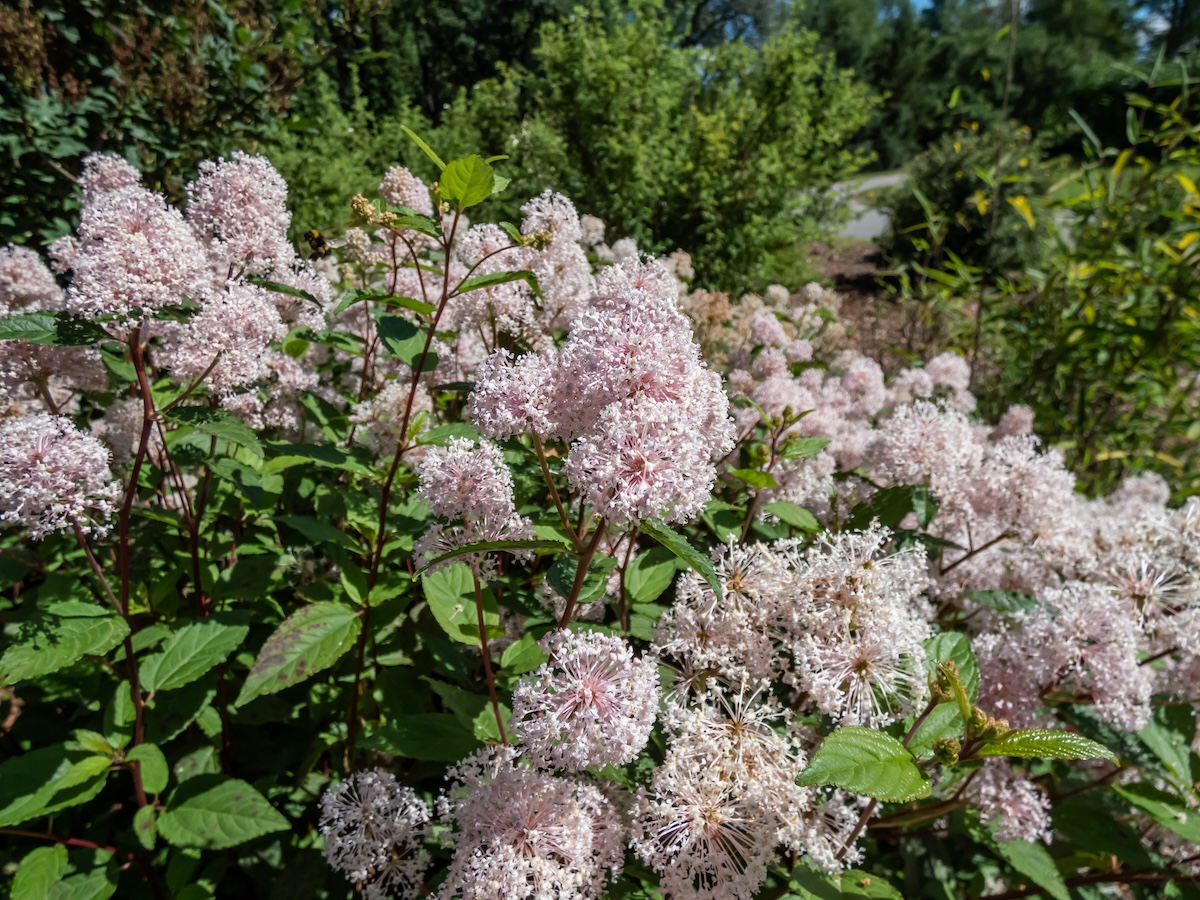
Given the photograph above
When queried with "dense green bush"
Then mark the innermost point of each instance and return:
(164, 84)
(722, 151)
(1087, 312)
(968, 196)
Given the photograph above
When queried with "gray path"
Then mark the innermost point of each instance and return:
(866, 223)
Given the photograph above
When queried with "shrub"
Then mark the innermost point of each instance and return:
(474, 576)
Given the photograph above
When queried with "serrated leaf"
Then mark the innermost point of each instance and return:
(1166, 809)
(36, 327)
(192, 651)
(48, 779)
(405, 341)
(1041, 743)
(37, 872)
(308, 641)
(145, 826)
(57, 328)
(680, 546)
(755, 477)
(794, 515)
(154, 769)
(49, 643)
(649, 574)
(450, 593)
(1035, 863)
(212, 812)
(490, 547)
(95, 885)
(1005, 601)
(522, 656)
(434, 737)
(868, 762)
(466, 182)
(219, 423)
(318, 531)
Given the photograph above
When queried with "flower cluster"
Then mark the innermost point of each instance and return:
(374, 829)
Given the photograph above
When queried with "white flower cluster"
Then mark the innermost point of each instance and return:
(374, 829)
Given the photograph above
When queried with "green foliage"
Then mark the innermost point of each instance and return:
(867, 762)
(163, 85)
(958, 201)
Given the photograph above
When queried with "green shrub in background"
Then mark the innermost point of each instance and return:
(967, 196)
(164, 84)
(1096, 326)
(724, 151)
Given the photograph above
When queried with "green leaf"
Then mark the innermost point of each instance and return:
(466, 182)
(443, 434)
(48, 779)
(522, 656)
(867, 762)
(192, 651)
(57, 328)
(308, 641)
(1169, 736)
(319, 454)
(1035, 863)
(794, 515)
(1093, 820)
(424, 146)
(1041, 743)
(478, 282)
(285, 289)
(38, 871)
(36, 327)
(153, 765)
(219, 423)
(145, 826)
(405, 341)
(359, 296)
(561, 576)
(891, 505)
(802, 447)
(1005, 601)
(318, 531)
(945, 720)
(755, 477)
(95, 885)
(434, 737)
(49, 643)
(450, 593)
(678, 544)
(490, 547)
(212, 812)
(1166, 809)
(649, 574)
(952, 646)
(806, 883)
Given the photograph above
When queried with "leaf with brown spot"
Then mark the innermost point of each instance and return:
(308, 641)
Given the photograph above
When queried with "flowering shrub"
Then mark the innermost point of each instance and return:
(493, 561)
